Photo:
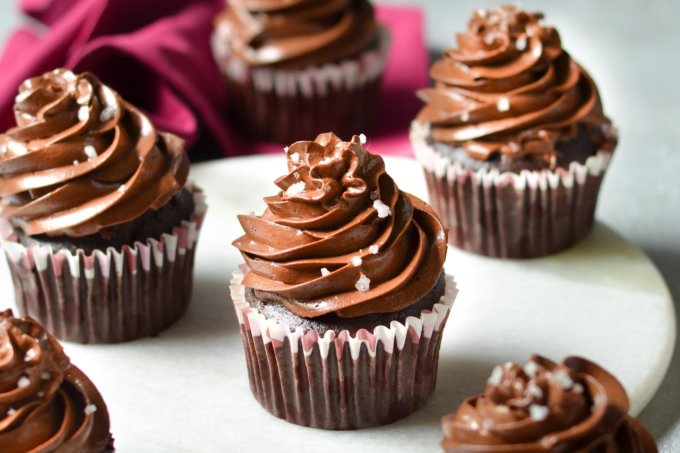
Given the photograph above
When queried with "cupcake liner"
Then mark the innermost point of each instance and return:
(283, 105)
(339, 381)
(110, 295)
(510, 215)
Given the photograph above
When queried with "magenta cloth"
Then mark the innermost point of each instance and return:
(156, 54)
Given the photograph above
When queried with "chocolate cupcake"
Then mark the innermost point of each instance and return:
(513, 138)
(575, 406)
(46, 403)
(98, 224)
(342, 299)
(296, 68)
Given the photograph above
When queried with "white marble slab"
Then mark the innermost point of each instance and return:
(187, 390)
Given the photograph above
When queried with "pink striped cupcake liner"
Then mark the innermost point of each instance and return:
(339, 381)
(512, 215)
(110, 295)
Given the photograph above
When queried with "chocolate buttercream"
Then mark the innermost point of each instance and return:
(46, 404)
(575, 406)
(82, 159)
(510, 89)
(341, 237)
(297, 33)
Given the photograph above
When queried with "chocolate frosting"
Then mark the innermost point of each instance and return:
(575, 406)
(341, 237)
(297, 33)
(46, 404)
(510, 89)
(82, 159)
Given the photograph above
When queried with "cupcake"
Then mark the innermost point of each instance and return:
(46, 403)
(296, 68)
(342, 298)
(98, 223)
(513, 138)
(575, 406)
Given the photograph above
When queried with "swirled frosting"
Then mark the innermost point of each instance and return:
(340, 237)
(509, 89)
(575, 406)
(81, 159)
(46, 404)
(296, 33)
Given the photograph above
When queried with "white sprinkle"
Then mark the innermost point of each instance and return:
(107, 114)
(563, 380)
(76, 162)
(45, 376)
(11, 411)
(521, 43)
(295, 189)
(16, 147)
(538, 413)
(374, 249)
(374, 195)
(531, 368)
(90, 409)
(23, 382)
(496, 376)
(356, 261)
(578, 388)
(121, 188)
(503, 104)
(534, 390)
(325, 271)
(363, 284)
(465, 117)
(90, 152)
(30, 355)
(83, 114)
(295, 157)
(298, 233)
(362, 139)
(382, 208)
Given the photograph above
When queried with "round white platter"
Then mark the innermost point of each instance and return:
(187, 390)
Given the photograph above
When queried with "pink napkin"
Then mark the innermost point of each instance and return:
(156, 54)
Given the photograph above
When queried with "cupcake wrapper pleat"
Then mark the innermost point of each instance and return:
(510, 215)
(110, 295)
(285, 105)
(338, 381)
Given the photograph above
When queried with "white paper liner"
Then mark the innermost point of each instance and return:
(339, 380)
(511, 215)
(110, 295)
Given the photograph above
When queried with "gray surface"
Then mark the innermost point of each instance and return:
(630, 48)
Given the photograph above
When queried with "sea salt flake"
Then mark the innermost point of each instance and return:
(295, 157)
(521, 43)
(298, 233)
(76, 162)
(463, 67)
(362, 139)
(563, 380)
(121, 188)
(356, 261)
(23, 382)
(496, 376)
(531, 368)
(465, 117)
(503, 104)
(578, 388)
(538, 413)
(30, 355)
(325, 271)
(286, 149)
(107, 114)
(326, 160)
(90, 152)
(489, 38)
(45, 376)
(41, 394)
(534, 390)
(90, 409)
(22, 96)
(11, 411)
(253, 243)
(295, 189)
(374, 249)
(487, 423)
(382, 208)
(363, 284)
(16, 147)
(83, 114)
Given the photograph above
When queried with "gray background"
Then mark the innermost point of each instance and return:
(630, 47)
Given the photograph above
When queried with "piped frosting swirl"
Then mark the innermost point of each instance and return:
(296, 33)
(82, 159)
(510, 89)
(340, 237)
(46, 404)
(575, 406)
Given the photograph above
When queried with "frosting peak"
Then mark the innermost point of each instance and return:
(509, 89)
(46, 404)
(541, 407)
(81, 159)
(340, 237)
